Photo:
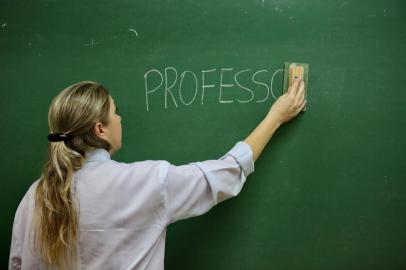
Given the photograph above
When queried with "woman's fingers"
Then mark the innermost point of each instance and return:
(301, 91)
(301, 87)
(301, 98)
(303, 105)
(294, 87)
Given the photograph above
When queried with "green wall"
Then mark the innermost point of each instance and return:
(328, 191)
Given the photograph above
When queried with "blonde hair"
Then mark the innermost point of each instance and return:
(74, 111)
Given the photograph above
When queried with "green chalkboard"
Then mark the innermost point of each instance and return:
(191, 78)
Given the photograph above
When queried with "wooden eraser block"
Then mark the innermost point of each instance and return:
(293, 70)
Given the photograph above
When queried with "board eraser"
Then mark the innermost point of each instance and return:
(293, 70)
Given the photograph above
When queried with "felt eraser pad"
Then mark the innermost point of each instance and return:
(293, 70)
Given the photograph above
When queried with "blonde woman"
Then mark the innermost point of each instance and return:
(88, 211)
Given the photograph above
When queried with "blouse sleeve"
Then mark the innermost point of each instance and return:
(193, 189)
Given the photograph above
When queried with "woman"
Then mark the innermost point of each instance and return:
(89, 212)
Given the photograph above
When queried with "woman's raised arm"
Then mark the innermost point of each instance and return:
(285, 108)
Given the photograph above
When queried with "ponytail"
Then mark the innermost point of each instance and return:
(72, 114)
(55, 208)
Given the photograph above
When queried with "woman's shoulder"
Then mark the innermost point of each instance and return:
(30, 193)
(100, 158)
(118, 173)
(26, 205)
(151, 167)
(139, 165)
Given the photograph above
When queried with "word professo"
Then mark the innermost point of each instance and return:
(170, 84)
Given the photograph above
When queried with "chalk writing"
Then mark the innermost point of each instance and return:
(134, 31)
(255, 85)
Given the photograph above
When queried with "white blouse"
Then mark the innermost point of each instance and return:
(124, 209)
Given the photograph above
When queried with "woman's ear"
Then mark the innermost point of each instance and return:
(99, 130)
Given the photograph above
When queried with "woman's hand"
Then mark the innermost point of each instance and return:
(287, 106)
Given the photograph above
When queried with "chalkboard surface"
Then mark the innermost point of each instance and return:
(191, 78)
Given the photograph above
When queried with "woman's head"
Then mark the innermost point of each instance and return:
(87, 112)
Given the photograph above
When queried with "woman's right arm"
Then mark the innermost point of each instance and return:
(285, 108)
(193, 189)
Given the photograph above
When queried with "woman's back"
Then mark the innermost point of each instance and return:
(121, 213)
(124, 209)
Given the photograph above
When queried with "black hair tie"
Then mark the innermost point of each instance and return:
(59, 137)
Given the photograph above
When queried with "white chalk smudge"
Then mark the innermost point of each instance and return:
(132, 30)
(4, 25)
(91, 44)
(384, 12)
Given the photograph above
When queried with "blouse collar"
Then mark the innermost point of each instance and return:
(99, 154)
